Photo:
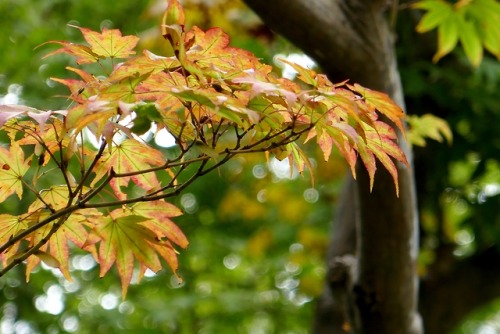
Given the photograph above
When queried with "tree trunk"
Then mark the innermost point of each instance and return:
(376, 290)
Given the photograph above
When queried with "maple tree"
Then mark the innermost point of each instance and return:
(217, 101)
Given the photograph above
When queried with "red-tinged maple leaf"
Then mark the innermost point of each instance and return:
(368, 159)
(124, 90)
(73, 229)
(12, 169)
(160, 213)
(325, 143)
(81, 89)
(343, 104)
(130, 156)
(148, 63)
(380, 141)
(82, 53)
(382, 103)
(345, 147)
(110, 42)
(211, 104)
(300, 160)
(210, 51)
(33, 261)
(94, 115)
(269, 89)
(41, 117)
(124, 239)
(168, 253)
(158, 88)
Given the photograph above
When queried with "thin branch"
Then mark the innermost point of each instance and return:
(33, 228)
(37, 194)
(91, 168)
(35, 248)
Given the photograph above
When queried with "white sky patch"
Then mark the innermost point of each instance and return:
(164, 139)
(297, 58)
(281, 169)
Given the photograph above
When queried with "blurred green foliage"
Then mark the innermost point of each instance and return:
(257, 238)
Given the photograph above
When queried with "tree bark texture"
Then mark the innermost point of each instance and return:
(372, 286)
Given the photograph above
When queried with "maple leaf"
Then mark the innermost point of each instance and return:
(139, 232)
(9, 227)
(82, 53)
(12, 169)
(428, 126)
(123, 239)
(129, 157)
(160, 213)
(382, 103)
(148, 63)
(81, 89)
(109, 43)
(158, 88)
(54, 198)
(210, 51)
(73, 229)
(380, 143)
(287, 96)
(166, 231)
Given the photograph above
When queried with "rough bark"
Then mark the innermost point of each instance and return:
(351, 39)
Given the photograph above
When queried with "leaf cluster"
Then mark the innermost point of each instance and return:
(217, 102)
(472, 22)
